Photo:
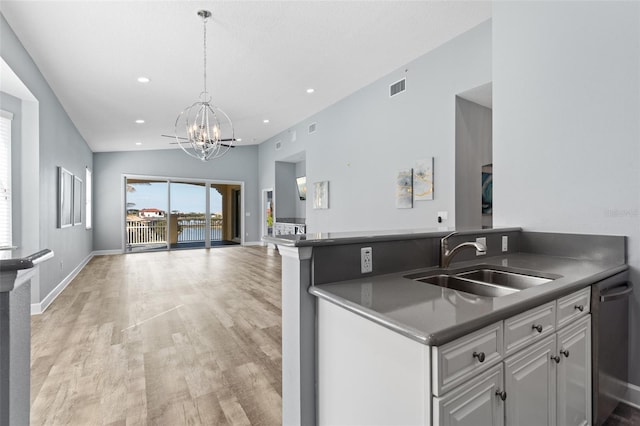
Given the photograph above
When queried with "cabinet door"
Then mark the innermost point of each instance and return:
(474, 403)
(530, 383)
(574, 374)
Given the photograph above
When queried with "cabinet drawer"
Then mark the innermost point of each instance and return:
(528, 327)
(455, 362)
(474, 402)
(573, 306)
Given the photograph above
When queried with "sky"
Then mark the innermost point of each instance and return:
(184, 197)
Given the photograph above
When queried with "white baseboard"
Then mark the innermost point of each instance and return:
(106, 252)
(633, 396)
(38, 308)
(253, 243)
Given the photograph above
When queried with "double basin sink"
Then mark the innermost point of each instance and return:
(486, 281)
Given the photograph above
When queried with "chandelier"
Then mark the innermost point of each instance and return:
(203, 130)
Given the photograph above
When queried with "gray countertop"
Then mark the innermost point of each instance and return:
(435, 315)
(333, 238)
(9, 268)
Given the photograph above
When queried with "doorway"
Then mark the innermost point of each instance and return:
(268, 213)
(474, 159)
(169, 214)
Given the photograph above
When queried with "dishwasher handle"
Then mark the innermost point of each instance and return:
(616, 293)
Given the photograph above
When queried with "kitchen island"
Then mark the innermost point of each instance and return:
(393, 307)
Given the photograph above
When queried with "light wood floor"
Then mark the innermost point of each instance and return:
(167, 338)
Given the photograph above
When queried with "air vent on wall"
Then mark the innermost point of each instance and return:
(312, 128)
(278, 145)
(397, 87)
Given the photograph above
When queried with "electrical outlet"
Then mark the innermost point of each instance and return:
(366, 260)
(505, 243)
(483, 241)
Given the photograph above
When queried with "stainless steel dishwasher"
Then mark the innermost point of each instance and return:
(610, 343)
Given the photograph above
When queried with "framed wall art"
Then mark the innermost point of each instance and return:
(423, 180)
(404, 189)
(77, 200)
(65, 198)
(321, 195)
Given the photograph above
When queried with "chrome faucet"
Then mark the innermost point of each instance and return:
(446, 255)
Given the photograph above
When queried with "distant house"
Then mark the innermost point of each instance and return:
(151, 213)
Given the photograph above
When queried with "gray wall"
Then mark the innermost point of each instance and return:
(362, 141)
(473, 150)
(239, 164)
(285, 190)
(60, 144)
(566, 109)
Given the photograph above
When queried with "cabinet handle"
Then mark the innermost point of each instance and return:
(537, 327)
(479, 355)
(556, 358)
(502, 395)
(564, 352)
(579, 307)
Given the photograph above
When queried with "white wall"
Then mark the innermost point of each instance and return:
(566, 129)
(362, 141)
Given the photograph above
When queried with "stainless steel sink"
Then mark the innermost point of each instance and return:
(483, 280)
(506, 279)
(468, 286)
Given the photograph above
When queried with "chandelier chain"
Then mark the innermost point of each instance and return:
(204, 23)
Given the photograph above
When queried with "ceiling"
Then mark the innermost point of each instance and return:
(262, 58)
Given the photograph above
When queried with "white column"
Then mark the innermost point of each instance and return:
(298, 338)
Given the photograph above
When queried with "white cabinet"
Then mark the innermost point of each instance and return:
(530, 383)
(574, 374)
(458, 361)
(547, 367)
(476, 403)
(531, 369)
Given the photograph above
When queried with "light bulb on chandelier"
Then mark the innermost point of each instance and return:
(203, 130)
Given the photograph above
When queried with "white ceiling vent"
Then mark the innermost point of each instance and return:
(398, 87)
(312, 128)
(278, 145)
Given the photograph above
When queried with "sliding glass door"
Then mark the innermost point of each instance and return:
(146, 215)
(188, 215)
(165, 214)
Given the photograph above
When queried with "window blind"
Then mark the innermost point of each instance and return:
(5, 179)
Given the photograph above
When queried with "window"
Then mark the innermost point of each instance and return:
(87, 198)
(5, 179)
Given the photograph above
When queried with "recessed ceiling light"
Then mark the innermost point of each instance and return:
(265, 121)
(238, 139)
(138, 143)
(140, 121)
(311, 90)
(143, 79)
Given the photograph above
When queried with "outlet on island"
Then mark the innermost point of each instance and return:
(366, 260)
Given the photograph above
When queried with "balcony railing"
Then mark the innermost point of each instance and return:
(146, 232)
(155, 231)
(190, 230)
